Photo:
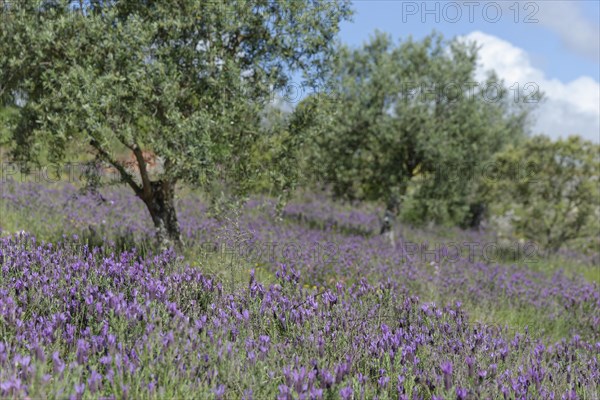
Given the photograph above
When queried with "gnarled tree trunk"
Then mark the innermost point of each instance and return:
(158, 195)
(160, 201)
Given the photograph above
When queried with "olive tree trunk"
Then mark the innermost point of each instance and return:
(158, 195)
(160, 201)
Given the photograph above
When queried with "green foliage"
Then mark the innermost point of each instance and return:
(7, 119)
(186, 80)
(388, 132)
(550, 188)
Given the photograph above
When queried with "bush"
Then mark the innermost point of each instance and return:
(550, 189)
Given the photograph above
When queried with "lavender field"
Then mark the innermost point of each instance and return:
(299, 199)
(316, 306)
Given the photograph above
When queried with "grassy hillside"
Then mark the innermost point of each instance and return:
(317, 305)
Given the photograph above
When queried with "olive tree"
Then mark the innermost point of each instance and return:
(410, 117)
(184, 79)
(550, 190)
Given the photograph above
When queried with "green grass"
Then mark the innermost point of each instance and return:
(12, 221)
(232, 271)
(571, 268)
(517, 320)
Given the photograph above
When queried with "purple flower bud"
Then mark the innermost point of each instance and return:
(461, 393)
(346, 393)
(447, 371)
(219, 391)
(79, 389)
(94, 381)
(58, 364)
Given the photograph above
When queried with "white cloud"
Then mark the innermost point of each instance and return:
(569, 108)
(567, 19)
(579, 33)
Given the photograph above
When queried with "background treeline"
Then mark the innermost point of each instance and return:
(394, 123)
(457, 158)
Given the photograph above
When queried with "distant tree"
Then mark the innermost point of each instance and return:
(409, 122)
(8, 116)
(550, 188)
(185, 79)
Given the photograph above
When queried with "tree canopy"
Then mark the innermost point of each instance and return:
(186, 80)
(406, 112)
(550, 188)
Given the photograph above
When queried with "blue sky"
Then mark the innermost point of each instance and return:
(553, 43)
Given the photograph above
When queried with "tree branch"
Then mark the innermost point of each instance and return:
(126, 176)
(139, 156)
